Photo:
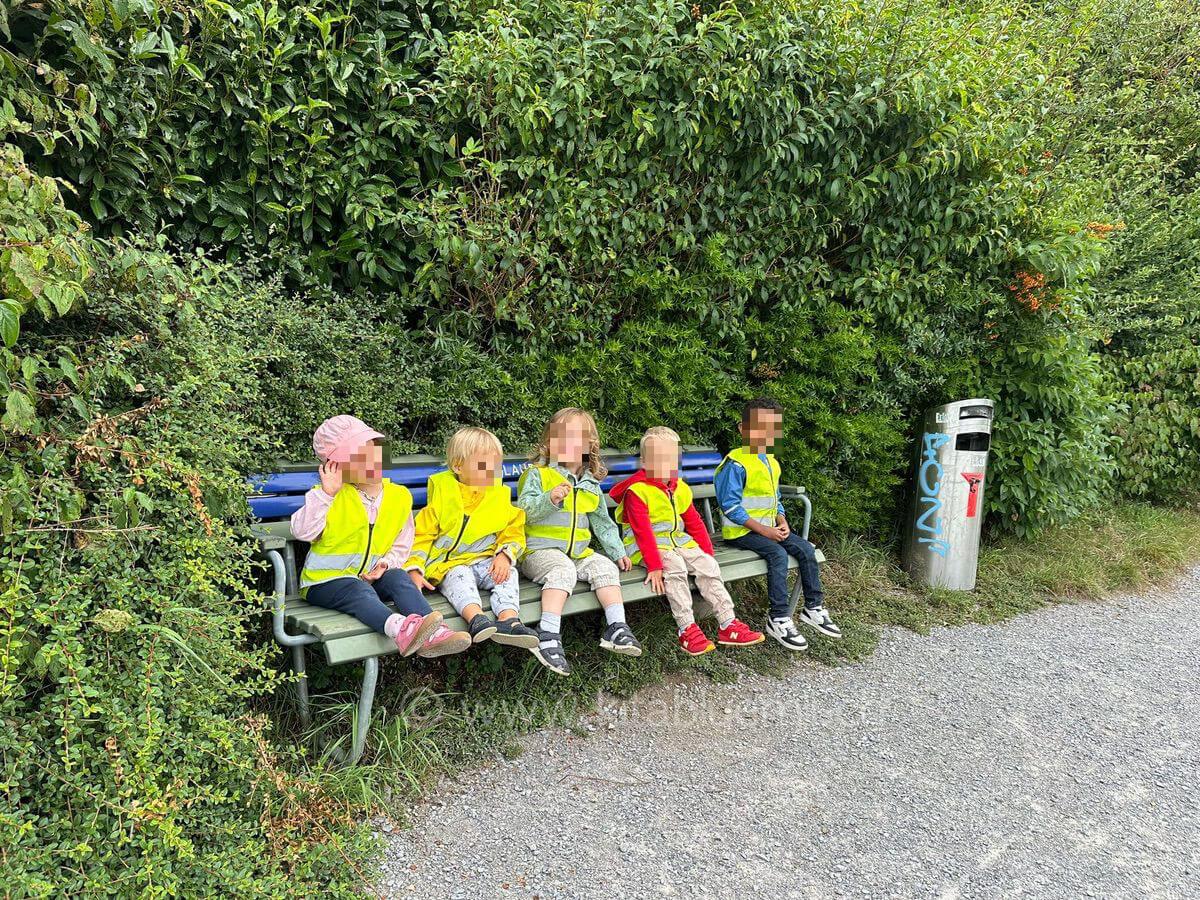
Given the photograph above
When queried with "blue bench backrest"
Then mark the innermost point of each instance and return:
(278, 496)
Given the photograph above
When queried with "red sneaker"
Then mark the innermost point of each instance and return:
(695, 642)
(738, 634)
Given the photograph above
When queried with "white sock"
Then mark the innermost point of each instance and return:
(683, 628)
(392, 626)
(727, 624)
(551, 622)
(615, 613)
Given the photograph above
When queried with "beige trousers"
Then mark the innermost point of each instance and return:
(677, 565)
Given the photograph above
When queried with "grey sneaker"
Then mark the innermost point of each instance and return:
(818, 617)
(619, 638)
(550, 653)
(512, 633)
(481, 627)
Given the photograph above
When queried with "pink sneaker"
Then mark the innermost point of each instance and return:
(443, 642)
(414, 630)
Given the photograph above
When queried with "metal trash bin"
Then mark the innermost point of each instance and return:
(941, 548)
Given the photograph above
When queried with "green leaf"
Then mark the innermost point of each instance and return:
(10, 321)
(19, 414)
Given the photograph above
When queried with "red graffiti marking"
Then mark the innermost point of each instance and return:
(974, 479)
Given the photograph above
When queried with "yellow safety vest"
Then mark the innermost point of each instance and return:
(350, 545)
(566, 529)
(760, 497)
(666, 516)
(464, 538)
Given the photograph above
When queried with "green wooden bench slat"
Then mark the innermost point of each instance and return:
(351, 642)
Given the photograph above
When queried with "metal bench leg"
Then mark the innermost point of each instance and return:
(362, 717)
(796, 593)
(301, 685)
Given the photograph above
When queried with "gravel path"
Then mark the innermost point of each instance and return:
(1057, 755)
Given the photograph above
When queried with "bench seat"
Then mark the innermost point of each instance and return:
(345, 639)
(298, 625)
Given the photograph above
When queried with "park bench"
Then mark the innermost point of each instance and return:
(298, 625)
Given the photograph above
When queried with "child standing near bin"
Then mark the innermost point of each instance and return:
(664, 532)
(752, 517)
(564, 507)
(360, 527)
(469, 536)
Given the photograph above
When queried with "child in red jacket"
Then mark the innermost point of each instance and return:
(664, 532)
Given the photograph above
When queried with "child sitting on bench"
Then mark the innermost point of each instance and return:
(664, 532)
(360, 526)
(752, 517)
(564, 506)
(469, 536)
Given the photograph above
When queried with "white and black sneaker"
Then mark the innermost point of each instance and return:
(786, 633)
(619, 638)
(818, 617)
(550, 653)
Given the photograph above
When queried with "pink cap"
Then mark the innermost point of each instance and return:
(336, 438)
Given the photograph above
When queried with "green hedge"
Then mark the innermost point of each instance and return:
(221, 223)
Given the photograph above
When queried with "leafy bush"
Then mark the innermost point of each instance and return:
(132, 761)
(477, 213)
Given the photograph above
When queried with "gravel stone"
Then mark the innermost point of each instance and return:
(1056, 755)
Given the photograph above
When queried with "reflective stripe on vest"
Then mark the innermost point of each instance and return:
(464, 537)
(666, 518)
(350, 545)
(760, 496)
(567, 529)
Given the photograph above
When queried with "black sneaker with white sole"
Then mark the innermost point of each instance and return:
(550, 653)
(481, 627)
(785, 632)
(818, 617)
(619, 638)
(512, 633)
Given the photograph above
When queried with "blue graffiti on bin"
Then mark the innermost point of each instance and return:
(929, 479)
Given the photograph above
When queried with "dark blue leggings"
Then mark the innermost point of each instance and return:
(366, 601)
(776, 554)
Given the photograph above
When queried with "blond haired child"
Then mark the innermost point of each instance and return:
(469, 536)
(360, 527)
(665, 533)
(564, 506)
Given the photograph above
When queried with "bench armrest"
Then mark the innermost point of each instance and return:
(267, 540)
(279, 600)
(795, 492)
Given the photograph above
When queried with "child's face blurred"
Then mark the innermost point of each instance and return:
(365, 465)
(480, 469)
(764, 427)
(567, 442)
(661, 459)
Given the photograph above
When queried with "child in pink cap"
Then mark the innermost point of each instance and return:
(360, 526)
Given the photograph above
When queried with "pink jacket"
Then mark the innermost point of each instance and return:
(309, 521)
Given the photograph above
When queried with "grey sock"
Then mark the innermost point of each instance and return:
(727, 624)
(615, 613)
(551, 622)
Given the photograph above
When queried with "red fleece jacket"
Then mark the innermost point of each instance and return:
(637, 514)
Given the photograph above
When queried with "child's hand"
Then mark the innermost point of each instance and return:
(419, 580)
(776, 534)
(655, 580)
(624, 563)
(331, 477)
(784, 528)
(376, 571)
(501, 566)
(559, 493)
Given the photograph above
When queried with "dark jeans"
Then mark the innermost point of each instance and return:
(776, 554)
(365, 601)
